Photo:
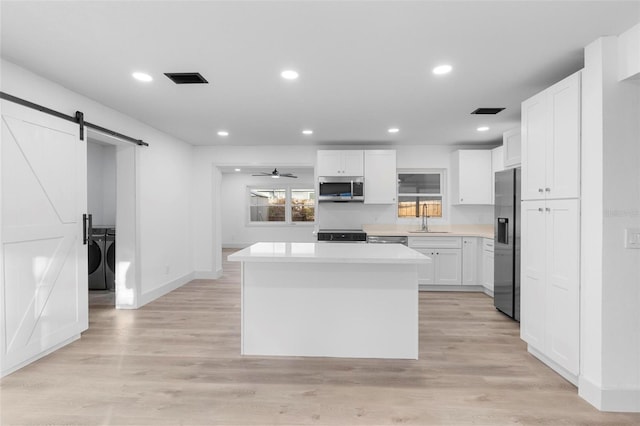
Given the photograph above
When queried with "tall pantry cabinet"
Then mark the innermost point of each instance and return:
(550, 224)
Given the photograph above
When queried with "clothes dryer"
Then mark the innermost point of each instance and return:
(96, 251)
(110, 259)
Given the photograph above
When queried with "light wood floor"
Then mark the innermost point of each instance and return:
(176, 361)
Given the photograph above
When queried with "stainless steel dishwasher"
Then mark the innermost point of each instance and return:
(373, 239)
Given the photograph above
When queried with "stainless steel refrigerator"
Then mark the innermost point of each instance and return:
(506, 284)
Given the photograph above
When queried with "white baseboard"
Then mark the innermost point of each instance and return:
(52, 349)
(152, 295)
(609, 399)
(570, 377)
(487, 291)
(469, 288)
(208, 275)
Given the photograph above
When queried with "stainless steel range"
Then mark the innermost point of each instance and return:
(342, 235)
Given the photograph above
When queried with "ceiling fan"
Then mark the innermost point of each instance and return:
(276, 174)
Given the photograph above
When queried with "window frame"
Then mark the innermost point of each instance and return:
(288, 217)
(443, 194)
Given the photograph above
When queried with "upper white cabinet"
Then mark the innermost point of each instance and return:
(512, 146)
(497, 165)
(380, 180)
(340, 163)
(551, 142)
(471, 177)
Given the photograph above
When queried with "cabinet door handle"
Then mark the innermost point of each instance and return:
(540, 209)
(548, 209)
(547, 189)
(461, 199)
(540, 190)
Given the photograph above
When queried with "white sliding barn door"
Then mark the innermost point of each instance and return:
(43, 265)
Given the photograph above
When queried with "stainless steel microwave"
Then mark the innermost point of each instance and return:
(341, 188)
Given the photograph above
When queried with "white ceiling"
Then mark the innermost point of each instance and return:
(364, 66)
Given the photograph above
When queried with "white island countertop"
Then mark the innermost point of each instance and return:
(329, 253)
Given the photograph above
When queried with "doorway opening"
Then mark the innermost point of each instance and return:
(111, 189)
(101, 205)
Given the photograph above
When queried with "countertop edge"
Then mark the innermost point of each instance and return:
(327, 260)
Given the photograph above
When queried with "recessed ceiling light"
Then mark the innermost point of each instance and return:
(393, 130)
(237, 170)
(140, 76)
(223, 133)
(307, 132)
(289, 74)
(482, 128)
(442, 69)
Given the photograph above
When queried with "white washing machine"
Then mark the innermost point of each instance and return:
(110, 259)
(96, 256)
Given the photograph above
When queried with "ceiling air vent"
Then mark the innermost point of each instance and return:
(487, 111)
(186, 77)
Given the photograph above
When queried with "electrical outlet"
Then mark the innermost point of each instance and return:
(632, 238)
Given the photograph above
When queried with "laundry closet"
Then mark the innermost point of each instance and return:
(101, 205)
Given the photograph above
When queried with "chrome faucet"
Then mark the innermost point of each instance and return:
(425, 225)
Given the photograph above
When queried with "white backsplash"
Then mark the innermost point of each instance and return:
(354, 215)
(472, 215)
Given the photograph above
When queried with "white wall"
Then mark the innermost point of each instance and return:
(629, 58)
(101, 183)
(610, 275)
(163, 170)
(237, 232)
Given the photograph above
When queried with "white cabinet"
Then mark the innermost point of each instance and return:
(497, 165)
(551, 142)
(380, 179)
(446, 260)
(340, 163)
(550, 280)
(512, 144)
(471, 177)
(487, 264)
(470, 261)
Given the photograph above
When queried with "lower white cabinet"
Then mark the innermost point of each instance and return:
(549, 301)
(470, 261)
(487, 264)
(445, 267)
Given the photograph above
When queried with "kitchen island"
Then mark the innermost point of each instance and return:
(329, 299)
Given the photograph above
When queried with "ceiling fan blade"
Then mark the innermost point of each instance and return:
(276, 173)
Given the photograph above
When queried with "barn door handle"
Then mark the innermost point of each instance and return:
(87, 225)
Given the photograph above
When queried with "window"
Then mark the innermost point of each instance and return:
(417, 190)
(267, 205)
(281, 205)
(303, 205)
